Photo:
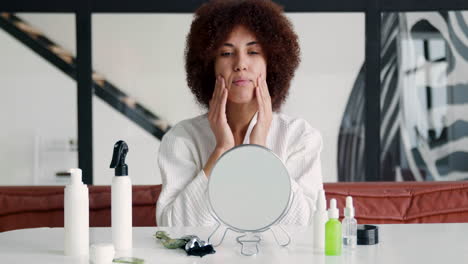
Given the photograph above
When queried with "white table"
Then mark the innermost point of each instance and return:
(409, 243)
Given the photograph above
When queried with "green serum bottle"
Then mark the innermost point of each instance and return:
(333, 235)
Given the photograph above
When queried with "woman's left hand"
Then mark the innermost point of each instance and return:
(260, 131)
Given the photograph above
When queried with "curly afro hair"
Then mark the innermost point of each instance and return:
(212, 24)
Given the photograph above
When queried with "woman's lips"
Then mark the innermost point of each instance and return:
(241, 82)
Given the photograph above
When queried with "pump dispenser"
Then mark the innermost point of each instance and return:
(349, 225)
(121, 200)
(333, 231)
(76, 216)
(320, 218)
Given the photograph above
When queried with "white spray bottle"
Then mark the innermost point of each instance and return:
(121, 200)
(320, 218)
(76, 216)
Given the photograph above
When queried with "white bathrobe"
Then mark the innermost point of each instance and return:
(186, 147)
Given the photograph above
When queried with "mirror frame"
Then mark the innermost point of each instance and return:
(281, 216)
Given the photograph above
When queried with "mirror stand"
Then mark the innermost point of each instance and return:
(284, 239)
(215, 238)
(249, 240)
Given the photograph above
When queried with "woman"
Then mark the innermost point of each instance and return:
(240, 59)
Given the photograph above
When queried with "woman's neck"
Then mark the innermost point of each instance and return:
(239, 117)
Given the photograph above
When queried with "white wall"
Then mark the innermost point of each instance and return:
(37, 100)
(333, 48)
(143, 55)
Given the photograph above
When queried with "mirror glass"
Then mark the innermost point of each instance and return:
(249, 188)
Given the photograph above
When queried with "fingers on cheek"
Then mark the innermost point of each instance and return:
(258, 92)
(215, 88)
(210, 110)
(222, 105)
(267, 92)
(261, 106)
(215, 107)
(262, 93)
(221, 102)
(223, 96)
(223, 83)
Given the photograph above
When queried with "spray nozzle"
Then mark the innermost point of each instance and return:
(118, 158)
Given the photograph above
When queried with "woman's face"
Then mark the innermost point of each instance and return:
(240, 60)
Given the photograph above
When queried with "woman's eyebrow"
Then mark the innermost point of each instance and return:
(248, 44)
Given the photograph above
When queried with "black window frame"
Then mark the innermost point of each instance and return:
(372, 10)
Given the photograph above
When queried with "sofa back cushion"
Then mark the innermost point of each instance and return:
(375, 203)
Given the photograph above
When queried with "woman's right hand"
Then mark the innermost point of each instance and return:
(219, 125)
(217, 116)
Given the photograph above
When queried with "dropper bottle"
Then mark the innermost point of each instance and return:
(333, 234)
(320, 218)
(349, 225)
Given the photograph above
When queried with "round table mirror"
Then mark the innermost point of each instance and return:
(249, 189)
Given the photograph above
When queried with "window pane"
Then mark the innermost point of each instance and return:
(424, 99)
(38, 102)
(328, 88)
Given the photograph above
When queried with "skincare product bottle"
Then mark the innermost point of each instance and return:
(76, 216)
(121, 200)
(333, 232)
(349, 225)
(320, 218)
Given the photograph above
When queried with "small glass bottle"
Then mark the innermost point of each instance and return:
(349, 225)
(333, 231)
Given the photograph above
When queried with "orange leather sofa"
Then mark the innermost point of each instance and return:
(375, 202)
